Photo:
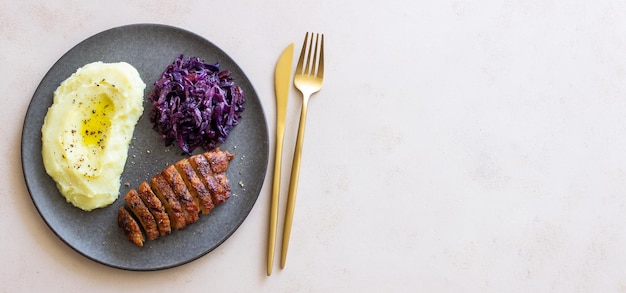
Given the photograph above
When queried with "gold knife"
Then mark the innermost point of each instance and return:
(282, 80)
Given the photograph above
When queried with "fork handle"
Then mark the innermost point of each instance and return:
(293, 183)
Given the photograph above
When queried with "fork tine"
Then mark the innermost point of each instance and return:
(309, 64)
(320, 67)
(300, 66)
(313, 48)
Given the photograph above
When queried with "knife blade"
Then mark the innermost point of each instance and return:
(282, 80)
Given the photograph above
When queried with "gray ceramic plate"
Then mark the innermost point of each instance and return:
(150, 48)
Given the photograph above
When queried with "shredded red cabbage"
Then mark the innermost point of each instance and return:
(195, 104)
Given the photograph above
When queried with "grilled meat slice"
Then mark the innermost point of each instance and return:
(156, 208)
(136, 205)
(203, 168)
(195, 186)
(167, 196)
(223, 181)
(130, 227)
(190, 208)
(218, 160)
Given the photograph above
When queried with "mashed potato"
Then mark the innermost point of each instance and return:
(87, 131)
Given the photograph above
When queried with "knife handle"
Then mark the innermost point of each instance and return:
(280, 131)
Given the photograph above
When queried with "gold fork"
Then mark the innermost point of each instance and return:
(308, 79)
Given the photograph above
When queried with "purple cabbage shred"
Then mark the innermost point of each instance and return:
(195, 104)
